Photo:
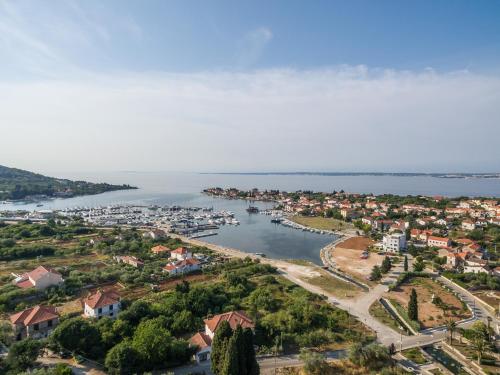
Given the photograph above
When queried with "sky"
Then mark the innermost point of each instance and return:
(250, 86)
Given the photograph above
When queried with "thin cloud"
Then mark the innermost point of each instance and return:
(344, 118)
(252, 46)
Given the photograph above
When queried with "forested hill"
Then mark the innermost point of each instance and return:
(20, 184)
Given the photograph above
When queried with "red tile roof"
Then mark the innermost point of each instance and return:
(159, 249)
(41, 271)
(101, 299)
(234, 318)
(34, 315)
(180, 250)
(201, 340)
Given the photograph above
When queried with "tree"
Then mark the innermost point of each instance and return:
(418, 266)
(231, 365)
(451, 326)
(406, 263)
(252, 365)
(123, 359)
(314, 363)
(386, 265)
(376, 273)
(413, 306)
(373, 356)
(79, 336)
(22, 355)
(152, 341)
(219, 344)
(479, 344)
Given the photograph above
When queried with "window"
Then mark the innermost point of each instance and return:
(36, 327)
(99, 311)
(49, 323)
(111, 307)
(110, 314)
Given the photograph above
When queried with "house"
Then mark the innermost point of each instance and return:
(182, 266)
(101, 303)
(40, 278)
(159, 249)
(203, 340)
(181, 253)
(476, 269)
(468, 225)
(130, 260)
(394, 242)
(438, 241)
(155, 234)
(36, 322)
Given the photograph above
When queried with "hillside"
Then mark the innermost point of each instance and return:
(18, 184)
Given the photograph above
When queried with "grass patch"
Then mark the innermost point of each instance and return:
(402, 311)
(333, 285)
(415, 355)
(322, 223)
(377, 311)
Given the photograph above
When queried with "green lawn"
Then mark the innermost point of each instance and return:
(415, 355)
(323, 223)
(378, 312)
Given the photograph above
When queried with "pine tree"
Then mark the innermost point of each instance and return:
(219, 347)
(251, 361)
(231, 365)
(406, 263)
(413, 306)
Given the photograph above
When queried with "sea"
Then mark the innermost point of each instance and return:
(256, 233)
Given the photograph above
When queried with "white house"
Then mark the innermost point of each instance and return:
(102, 304)
(468, 225)
(182, 266)
(203, 340)
(39, 278)
(438, 241)
(181, 253)
(394, 242)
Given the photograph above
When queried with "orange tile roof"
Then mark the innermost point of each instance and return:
(41, 271)
(100, 299)
(234, 318)
(159, 249)
(34, 315)
(201, 340)
(180, 250)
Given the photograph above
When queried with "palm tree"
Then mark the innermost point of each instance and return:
(451, 325)
(479, 345)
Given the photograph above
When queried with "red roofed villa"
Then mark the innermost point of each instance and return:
(182, 266)
(101, 304)
(40, 278)
(181, 253)
(36, 322)
(203, 340)
(159, 249)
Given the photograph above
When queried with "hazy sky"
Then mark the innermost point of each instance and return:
(250, 86)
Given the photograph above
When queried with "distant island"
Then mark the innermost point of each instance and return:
(17, 184)
(394, 174)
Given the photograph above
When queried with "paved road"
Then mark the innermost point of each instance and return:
(267, 364)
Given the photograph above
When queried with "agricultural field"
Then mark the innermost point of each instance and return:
(322, 223)
(431, 314)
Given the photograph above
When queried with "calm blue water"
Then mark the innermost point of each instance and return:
(256, 233)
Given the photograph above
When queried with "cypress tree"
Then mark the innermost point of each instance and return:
(240, 345)
(231, 365)
(413, 306)
(406, 263)
(386, 265)
(219, 347)
(251, 361)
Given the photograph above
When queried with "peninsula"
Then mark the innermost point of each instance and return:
(17, 184)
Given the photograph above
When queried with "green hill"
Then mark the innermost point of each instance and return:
(20, 184)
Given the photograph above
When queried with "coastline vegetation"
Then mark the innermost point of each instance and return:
(17, 184)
